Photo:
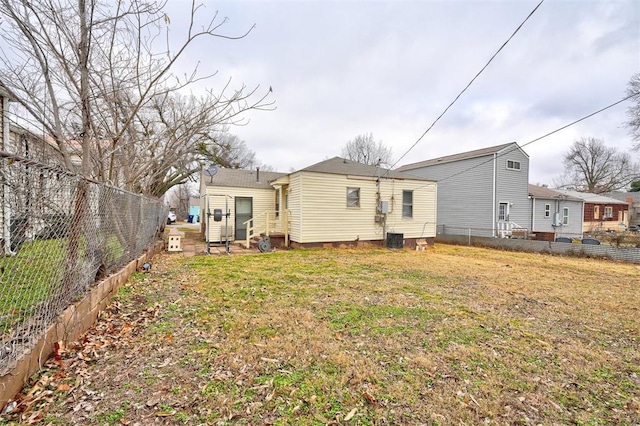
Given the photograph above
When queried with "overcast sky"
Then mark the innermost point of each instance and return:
(343, 68)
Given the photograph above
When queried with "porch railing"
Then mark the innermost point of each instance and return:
(267, 223)
(505, 229)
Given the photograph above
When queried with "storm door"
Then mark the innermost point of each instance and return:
(244, 212)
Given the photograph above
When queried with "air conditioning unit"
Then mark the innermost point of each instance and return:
(556, 219)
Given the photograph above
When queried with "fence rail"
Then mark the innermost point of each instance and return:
(470, 236)
(59, 233)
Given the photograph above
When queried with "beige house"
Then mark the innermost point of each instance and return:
(240, 196)
(332, 203)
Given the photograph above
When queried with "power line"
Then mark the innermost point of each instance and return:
(468, 85)
(545, 135)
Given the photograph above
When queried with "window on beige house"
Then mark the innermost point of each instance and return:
(353, 197)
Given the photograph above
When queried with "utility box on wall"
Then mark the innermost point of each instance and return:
(384, 207)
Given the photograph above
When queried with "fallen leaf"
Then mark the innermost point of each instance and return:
(370, 398)
(64, 388)
(165, 413)
(350, 415)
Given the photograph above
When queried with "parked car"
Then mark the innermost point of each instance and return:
(171, 218)
(634, 228)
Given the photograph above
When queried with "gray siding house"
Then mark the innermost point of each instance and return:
(484, 192)
(555, 212)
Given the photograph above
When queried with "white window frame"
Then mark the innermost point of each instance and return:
(407, 207)
(547, 210)
(503, 216)
(515, 165)
(565, 215)
(353, 197)
(608, 212)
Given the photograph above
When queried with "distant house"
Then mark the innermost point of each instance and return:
(633, 201)
(484, 191)
(338, 201)
(555, 214)
(332, 203)
(194, 209)
(601, 213)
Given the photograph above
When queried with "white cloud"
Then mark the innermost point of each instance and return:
(339, 69)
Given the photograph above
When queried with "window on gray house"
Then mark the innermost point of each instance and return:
(353, 197)
(547, 210)
(513, 165)
(407, 203)
(565, 216)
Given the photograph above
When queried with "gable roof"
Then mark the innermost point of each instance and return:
(548, 193)
(461, 156)
(343, 166)
(591, 198)
(241, 178)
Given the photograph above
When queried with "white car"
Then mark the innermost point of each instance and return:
(171, 218)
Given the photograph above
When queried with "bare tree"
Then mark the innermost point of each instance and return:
(179, 198)
(590, 166)
(634, 111)
(228, 150)
(98, 78)
(365, 149)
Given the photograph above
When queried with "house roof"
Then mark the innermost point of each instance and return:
(544, 192)
(241, 178)
(591, 198)
(461, 156)
(634, 196)
(343, 166)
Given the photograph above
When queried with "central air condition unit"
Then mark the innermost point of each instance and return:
(556, 220)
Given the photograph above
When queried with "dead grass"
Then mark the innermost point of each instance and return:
(454, 335)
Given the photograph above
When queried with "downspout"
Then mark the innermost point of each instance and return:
(495, 189)
(533, 216)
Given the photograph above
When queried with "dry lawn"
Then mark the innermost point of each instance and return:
(453, 335)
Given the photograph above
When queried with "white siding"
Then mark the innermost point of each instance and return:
(263, 200)
(318, 204)
(294, 204)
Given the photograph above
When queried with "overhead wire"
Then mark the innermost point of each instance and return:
(540, 137)
(469, 84)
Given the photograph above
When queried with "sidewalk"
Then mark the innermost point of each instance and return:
(193, 243)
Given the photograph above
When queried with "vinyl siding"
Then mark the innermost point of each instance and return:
(465, 192)
(512, 186)
(318, 204)
(544, 224)
(295, 206)
(263, 200)
(466, 188)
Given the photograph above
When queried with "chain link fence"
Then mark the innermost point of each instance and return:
(619, 247)
(59, 234)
